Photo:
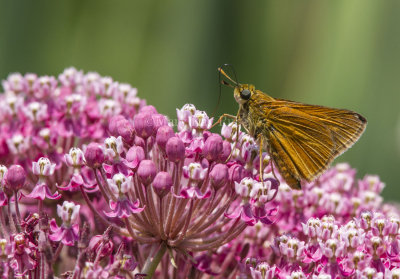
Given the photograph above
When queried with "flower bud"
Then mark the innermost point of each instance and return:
(159, 120)
(213, 148)
(113, 125)
(226, 151)
(144, 125)
(148, 109)
(164, 133)
(125, 130)
(162, 183)
(15, 177)
(175, 149)
(219, 176)
(139, 142)
(94, 155)
(147, 171)
(236, 173)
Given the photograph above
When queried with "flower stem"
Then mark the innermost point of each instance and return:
(3, 227)
(58, 251)
(162, 233)
(129, 228)
(17, 207)
(102, 190)
(11, 219)
(151, 266)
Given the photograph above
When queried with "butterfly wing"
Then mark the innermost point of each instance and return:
(301, 146)
(346, 126)
(304, 139)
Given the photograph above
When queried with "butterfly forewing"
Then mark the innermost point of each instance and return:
(303, 139)
(308, 144)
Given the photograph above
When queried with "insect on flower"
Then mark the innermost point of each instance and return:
(301, 139)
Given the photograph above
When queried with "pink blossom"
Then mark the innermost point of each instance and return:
(68, 232)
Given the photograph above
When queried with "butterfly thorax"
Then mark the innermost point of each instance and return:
(253, 112)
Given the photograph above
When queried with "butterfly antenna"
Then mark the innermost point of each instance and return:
(221, 71)
(220, 81)
(234, 72)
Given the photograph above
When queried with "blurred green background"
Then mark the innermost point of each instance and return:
(342, 53)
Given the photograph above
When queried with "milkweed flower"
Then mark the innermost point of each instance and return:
(157, 200)
(43, 168)
(68, 232)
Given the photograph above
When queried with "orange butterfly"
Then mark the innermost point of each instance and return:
(301, 139)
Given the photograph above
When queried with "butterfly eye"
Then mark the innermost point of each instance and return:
(245, 94)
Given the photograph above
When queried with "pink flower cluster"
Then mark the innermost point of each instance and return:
(88, 167)
(365, 247)
(336, 227)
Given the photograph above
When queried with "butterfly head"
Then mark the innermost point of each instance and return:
(243, 93)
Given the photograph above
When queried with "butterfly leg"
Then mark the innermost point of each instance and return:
(260, 141)
(225, 115)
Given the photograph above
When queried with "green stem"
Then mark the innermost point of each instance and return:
(151, 267)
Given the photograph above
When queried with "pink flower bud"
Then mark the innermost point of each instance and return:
(147, 171)
(162, 183)
(113, 125)
(148, 109)
(219, 176)
(213, 147)
(175, 149)
(226, 151)
(236, 173)
(144, 125)
(125, 130)
(159, 120)
(164, 133)
(15, 177)
(94, 155)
